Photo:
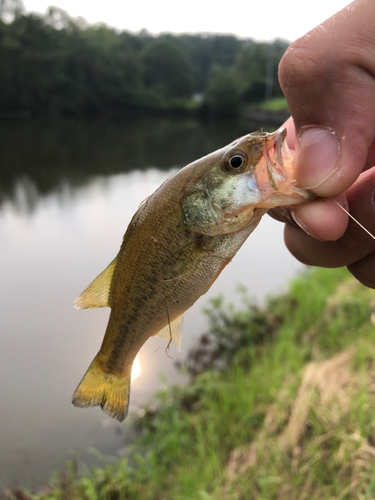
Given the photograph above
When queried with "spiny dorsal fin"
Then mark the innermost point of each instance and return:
(174, 329)
(97, 293)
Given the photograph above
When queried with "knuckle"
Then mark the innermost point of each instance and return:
(303, 66)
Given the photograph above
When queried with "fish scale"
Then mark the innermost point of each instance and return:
(175, 247)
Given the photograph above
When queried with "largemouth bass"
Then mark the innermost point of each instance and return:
(175, 247)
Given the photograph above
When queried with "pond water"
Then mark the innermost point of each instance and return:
(68, 189)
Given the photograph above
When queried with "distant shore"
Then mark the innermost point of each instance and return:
(270, 111)
(267, 116)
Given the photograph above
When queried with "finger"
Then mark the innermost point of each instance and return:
(364, 270)
(370, 160)
(354, 245)
(322, 219)
(291, 134)
(328, 79)
(292, 142)
(325, 220)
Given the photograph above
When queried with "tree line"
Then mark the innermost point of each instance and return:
(53, 64)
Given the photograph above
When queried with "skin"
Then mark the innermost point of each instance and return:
(328, 78)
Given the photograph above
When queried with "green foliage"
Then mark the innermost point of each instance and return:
(53, 64)
(208, 51)
(167, 69)
(275, 104)
(288, 414)
(232, 329)
(256, 67)
(224, 92)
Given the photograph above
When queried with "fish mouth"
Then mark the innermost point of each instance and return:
(274, 173)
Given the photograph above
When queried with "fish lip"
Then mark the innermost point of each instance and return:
(279, 180)
(276, 140)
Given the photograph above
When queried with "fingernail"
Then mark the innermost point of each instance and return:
(298, 222)
(317, 156)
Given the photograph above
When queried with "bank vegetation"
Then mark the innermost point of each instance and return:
(281, 405)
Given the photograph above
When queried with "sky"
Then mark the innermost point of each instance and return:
(258, 19)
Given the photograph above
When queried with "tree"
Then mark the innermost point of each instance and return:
(58, 65)
(256, 65)
(206, 51)
(224, 91)
(167, 69)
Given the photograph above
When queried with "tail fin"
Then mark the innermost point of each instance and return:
(108, 390)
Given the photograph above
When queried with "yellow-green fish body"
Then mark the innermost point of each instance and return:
(176, 245)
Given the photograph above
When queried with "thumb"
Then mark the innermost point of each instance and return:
(328, 78)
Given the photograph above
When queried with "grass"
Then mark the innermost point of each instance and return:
(281, 406)
(273, 104)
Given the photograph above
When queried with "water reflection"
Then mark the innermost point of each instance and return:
(57, 153)
(68, 190)
(136, 368)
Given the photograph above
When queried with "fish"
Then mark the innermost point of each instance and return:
(176, 245)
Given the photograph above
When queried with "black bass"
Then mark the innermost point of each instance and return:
(175, 247)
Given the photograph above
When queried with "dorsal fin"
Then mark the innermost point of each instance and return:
(97, 293)
(174, 329)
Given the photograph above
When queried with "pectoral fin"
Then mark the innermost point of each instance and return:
(173, 332)
(184, 260)
(97, 293)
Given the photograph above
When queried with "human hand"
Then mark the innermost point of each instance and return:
(328, 77)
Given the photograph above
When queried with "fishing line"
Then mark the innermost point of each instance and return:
(165, 301)
(355, 220)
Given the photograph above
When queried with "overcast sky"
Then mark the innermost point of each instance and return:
(259, 19)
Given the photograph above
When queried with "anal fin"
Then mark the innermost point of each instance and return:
(173, 332)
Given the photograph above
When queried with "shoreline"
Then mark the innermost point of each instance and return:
(256, 114)
(234, 426)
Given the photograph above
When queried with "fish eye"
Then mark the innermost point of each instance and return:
(234, 162)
